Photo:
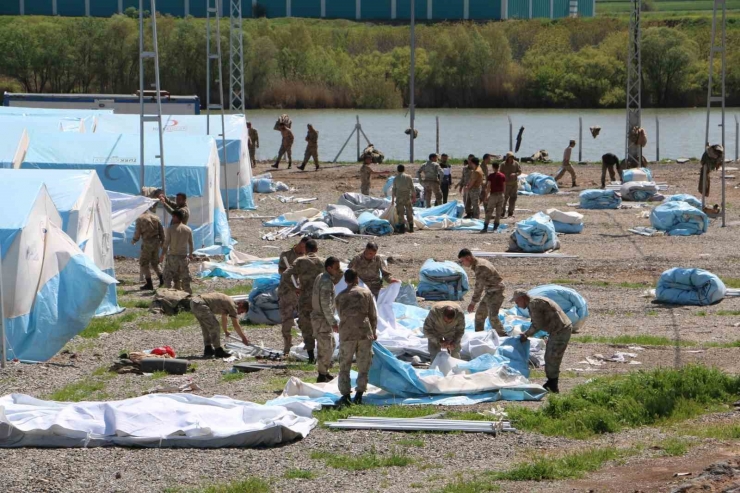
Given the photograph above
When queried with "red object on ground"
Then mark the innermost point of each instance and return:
(164, 350)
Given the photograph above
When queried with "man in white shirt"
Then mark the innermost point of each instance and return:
(566, 165)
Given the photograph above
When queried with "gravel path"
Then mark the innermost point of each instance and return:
(608, 256)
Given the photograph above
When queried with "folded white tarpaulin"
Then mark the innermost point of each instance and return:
(156, 420)
(125, 209)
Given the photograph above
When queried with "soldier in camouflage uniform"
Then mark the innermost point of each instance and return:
(358, 324)
(305, 270)
(462, 185)
(711, 160)
(474, 187)
(149, 229)
(286, 146)
(178, 247)
(511, 170)
(547, 316)
(312, 148)
(404, 195)
(323, 319)
(430, 175)
(287, 298)
(369, 268)
(489, 290)
(366, 173)
(444, 328)
(180, 204)
(253, 143)
(205, 307)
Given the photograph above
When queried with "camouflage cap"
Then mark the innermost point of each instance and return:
(518, 293)
(510, 154)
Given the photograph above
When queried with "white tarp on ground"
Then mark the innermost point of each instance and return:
(156, 420)
(238, 166)
(85, 209)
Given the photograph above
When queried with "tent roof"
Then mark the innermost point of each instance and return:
(75, 113)
(11, 139)
(96, 149)
(64, 186)
(23, 196)
(31, 123)
(173, 124)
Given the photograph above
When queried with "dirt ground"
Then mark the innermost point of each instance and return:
(612, 270)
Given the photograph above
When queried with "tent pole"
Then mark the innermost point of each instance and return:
(3, 350)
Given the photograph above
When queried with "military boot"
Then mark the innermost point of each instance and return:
(495, 226)
(485, 228)
(275, 165)
(302, 167)
(358, 399)
(208, 352)
(290, 164)
(321, 378)
(401, 228)
(574, 185)
(552, 385)
(411, 227)
(311, 358)
(344, 402)
(148, 286)
(161, 280)
(221, 353)
(317, 168)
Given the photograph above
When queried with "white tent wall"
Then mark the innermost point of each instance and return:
(24, 261)
(13, 145)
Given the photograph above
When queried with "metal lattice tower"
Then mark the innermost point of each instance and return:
(213, 9)
(718, 46)
(633, 152)
(143, 116)
(236, 57)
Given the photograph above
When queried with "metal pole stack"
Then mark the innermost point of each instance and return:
(717, 47)
(421, 424)
(215, 10)
(143, 116)
(633, 152)
(412, 81)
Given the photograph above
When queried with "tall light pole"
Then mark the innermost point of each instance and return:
(412, 78)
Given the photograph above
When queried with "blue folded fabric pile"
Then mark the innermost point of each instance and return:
(690, 287)
(371, 224)
(536, 234)
(542, 184)
(442, 281)
(679, 218)
(600, 199)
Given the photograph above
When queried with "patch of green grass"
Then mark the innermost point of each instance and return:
(134, 303)
(461, 485)
(182, 319)
(724, 345)
(331, 414)
(82, 390)
(728, 313)
(233, 377)
(609, 404)
(643, 340)
(675, 447)
(408, 442)
(159, 374)
(701, 313)
(102, 371)
(652, 313)
(569, 466)
(719, 432)
(249, 485)
(308, 367)
(108, 325)
(731, 282)
(369, 460)
(236, 290)
(299, 474)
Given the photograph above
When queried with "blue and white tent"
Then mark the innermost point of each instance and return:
(50, 288)
(191, 167)
(238, 166)
(85, 209)
(51, 123)
(13, 145)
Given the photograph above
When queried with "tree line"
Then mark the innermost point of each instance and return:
(308, 63)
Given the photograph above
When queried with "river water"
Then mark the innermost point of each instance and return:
(477, 131)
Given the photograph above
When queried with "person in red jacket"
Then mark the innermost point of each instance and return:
(495, 190)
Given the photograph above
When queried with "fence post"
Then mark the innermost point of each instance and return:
(357, 127)
(511, 135)
(580, 139)
(657, 138)
(437, 151)
(737, 127)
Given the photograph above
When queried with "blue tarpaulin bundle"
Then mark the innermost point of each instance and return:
(629, 175)
(600, 199)
(373, 225)
(263, 301)
(567, 228)
(685, 197)
(689, 287)
(535, 234)
(573, 304)
(449, 209)
(679, 218)
(542, 184)
(442, 281)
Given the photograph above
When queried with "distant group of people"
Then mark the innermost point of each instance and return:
(286, 146)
